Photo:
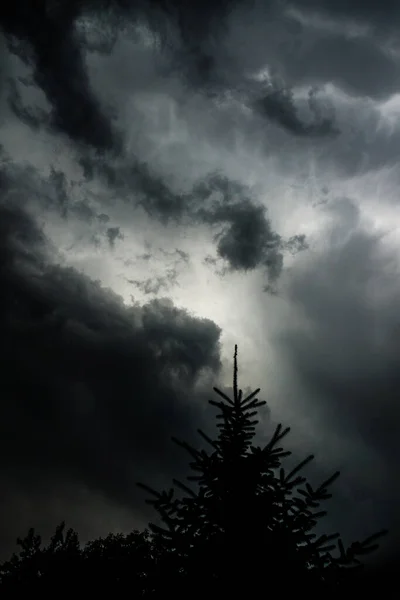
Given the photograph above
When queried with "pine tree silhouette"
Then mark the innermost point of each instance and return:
(248, 521)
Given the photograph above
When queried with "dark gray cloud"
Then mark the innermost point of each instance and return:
(113, 234)
(133, 178)
(60, 46)
(277, 104)
(246, 240)
(92, 390)
(48, 37)
(306, 55)
(293, 46)
(45, 38)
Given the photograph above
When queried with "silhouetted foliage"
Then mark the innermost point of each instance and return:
(246, 523)
(105, 563)
(248, 519)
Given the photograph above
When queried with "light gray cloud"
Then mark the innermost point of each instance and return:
(245, 240)
(385, 13)
(346, 354)
(154, 285)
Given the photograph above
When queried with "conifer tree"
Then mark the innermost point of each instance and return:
(247, 520)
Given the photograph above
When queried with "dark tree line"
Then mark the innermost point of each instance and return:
(242, 525)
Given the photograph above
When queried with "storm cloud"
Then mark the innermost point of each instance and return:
(163, 166)
(91, 388)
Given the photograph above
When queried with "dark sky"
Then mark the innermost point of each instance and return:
(176, 178)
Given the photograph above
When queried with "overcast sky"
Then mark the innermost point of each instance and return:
(171, 186)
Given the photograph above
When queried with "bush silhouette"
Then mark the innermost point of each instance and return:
(248, 520)
(109, 563)
(246, 523)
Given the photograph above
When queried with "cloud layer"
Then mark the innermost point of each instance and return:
(176, 178)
